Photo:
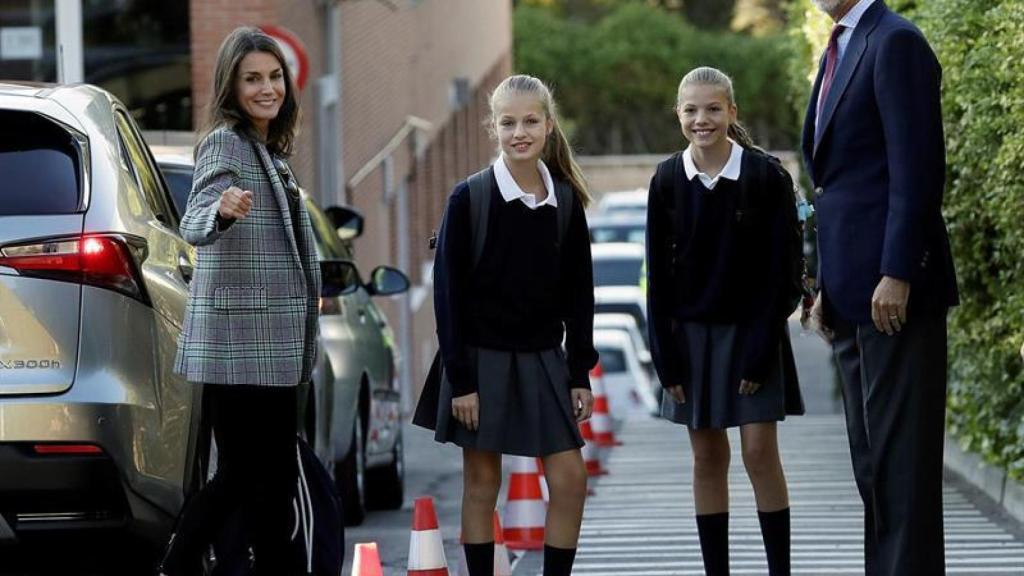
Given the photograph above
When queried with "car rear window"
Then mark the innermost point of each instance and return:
(612, 360)
(39, 162)
(617, 271)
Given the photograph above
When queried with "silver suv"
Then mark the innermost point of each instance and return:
(95, 428)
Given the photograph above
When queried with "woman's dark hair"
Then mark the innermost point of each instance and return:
(224, 109)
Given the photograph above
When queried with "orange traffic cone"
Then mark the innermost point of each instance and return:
(525, 509)
(590, 449)
(604, 436)
(426, 550)
(502, 565)
(367, 561)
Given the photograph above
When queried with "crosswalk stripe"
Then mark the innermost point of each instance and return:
(641, 519)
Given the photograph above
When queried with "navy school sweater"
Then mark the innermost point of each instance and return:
(524, 295)
(706, 265)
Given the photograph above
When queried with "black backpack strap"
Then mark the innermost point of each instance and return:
(564, 197)
(743, 205)
(481, 189)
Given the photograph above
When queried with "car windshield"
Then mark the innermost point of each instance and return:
(613, 360)
(618, 233)
(617, 271)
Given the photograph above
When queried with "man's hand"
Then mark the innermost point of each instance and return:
(582, 403)
(889, 305)
(466, 410)
(677, 393)
(817, 320)
(748, 388)
(235, 203)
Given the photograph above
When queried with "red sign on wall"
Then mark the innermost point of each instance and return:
(294, 52)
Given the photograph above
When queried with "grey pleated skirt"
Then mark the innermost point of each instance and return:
(714, 353)
(525, 405)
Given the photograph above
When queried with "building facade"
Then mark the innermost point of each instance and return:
(393, 107)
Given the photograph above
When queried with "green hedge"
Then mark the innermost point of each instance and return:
(978, 43)
(615, 78)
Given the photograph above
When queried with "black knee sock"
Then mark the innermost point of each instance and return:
(713, 530)
(775, 532)
(480, 558)
(558, 561)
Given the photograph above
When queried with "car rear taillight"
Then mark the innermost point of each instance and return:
(109, 261)
(66, 449)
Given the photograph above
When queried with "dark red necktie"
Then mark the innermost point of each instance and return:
(831, 63)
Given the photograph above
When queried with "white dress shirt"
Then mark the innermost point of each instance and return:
(731, 170)
(510, 190)
(849, 23)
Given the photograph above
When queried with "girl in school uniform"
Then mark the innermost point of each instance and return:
(716, 244)
(508, 386)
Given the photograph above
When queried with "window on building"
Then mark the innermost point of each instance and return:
(137, 49)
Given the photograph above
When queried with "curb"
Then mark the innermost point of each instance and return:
(1005, 492)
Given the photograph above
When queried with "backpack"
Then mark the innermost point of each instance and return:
(795, 289)
(481, 191)
(318, 538)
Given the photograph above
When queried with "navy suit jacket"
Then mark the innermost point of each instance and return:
(878, 169)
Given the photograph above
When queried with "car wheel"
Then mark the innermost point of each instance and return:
(350, 475)
(386, 485)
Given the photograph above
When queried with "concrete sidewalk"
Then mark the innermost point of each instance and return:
(640, 520)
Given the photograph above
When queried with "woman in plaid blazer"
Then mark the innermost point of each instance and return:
(251, 324)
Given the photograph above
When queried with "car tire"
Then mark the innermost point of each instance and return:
(350, 476)
(386, 485)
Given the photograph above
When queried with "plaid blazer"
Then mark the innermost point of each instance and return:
(253, 307)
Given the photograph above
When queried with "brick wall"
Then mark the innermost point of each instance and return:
(398, 59)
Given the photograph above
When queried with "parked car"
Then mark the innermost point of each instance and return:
(96, 431)
(625, 379)
(354, 410)
(632, 201)
(628, 325)
(617, 263)
(618, 227)
(623, 300)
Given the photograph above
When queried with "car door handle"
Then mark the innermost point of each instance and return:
(185, 268)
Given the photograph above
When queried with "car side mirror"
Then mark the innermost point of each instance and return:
(387, 281)
(348, 222)
(339, 277)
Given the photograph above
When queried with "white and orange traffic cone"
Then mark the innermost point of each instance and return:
(426, 549)
(604, 436)
(525, 510)
(590, 451)
(502, 564)
(367, 560)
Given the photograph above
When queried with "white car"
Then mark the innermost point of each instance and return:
(618, 227)
(634, 201)
(622, 300)
(628, 324)
(625, 380)
(617, 263)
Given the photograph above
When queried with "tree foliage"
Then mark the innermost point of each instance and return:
(978, 44)
(615, 78)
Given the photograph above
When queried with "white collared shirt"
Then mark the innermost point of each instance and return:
(510, 190)
(731, 170)
(849, 23)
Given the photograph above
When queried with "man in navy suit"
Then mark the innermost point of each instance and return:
(873, 146)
